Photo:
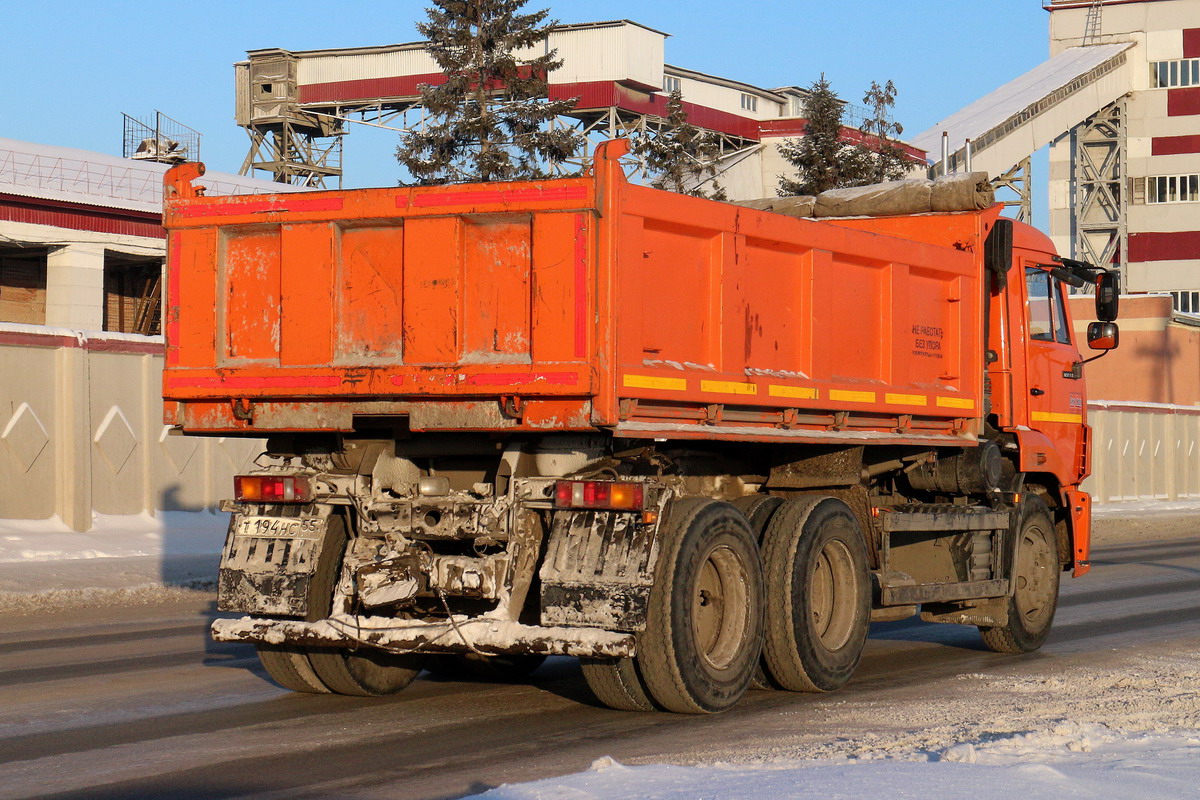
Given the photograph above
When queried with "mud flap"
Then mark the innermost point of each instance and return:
(598, 571)
(268, 563)
(1080, 508)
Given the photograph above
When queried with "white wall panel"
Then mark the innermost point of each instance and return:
(81, 432)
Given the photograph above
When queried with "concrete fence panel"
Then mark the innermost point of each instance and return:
(1144, 451)
(81, 431)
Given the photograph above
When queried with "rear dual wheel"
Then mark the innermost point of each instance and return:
(704, 621)
(815, 565)
(363, 673)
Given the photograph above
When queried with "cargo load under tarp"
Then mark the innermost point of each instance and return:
(968, 191)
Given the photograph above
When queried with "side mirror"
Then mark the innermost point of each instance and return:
(1108, 295)
(998, 252)
(1103, 335)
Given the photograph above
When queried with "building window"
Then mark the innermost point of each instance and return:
(132, 294)
(749, 102)
(1186, 302)
(1172, 74)
(23, 285)
(1173, 189)
(672, 84)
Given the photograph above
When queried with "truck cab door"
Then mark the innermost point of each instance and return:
(1055, 391)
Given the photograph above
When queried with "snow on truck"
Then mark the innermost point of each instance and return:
(694, 444)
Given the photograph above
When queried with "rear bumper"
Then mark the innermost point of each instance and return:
(478, 634)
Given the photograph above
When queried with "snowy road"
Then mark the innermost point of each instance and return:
(137, 703)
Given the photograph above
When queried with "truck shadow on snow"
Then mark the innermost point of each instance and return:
(192, 536)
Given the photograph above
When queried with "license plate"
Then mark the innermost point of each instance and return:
(268, 564)
(276, 528)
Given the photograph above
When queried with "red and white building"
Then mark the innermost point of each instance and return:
(1161, 117)
(81, 240)
(295, 104)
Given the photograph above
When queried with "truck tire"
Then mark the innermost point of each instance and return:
(758, 509)
(289, 667)
(815, 566)
(1036, 575)
(704, 624)
(616, 683)
(362, 673)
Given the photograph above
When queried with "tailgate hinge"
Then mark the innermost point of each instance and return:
(512, 406)
(243, 409)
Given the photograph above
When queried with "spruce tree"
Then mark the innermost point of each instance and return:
(490, 119)
(680, 157)
(823, 160)
(817, 156)
(888, 162)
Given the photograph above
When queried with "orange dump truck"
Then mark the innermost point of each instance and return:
(680, 439)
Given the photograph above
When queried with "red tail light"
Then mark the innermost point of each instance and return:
(599, 494)
(272, 489)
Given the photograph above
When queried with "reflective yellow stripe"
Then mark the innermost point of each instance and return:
(851, 397)
(803, 392)
(956, 402)
(728, 387)
(1049, 416)
(649, 382)
(906, 399)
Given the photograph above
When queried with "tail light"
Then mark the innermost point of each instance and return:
(272, 489)
(609, 495)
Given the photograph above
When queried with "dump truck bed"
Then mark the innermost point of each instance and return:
(574, 304)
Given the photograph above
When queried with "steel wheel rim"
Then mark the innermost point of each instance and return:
(720, 608)
(1035, 590)
(830, 595)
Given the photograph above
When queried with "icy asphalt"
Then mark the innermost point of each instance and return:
(109, 688)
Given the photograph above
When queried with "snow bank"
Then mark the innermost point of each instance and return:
(1070, 760)
(1124, 726)
(168, 533)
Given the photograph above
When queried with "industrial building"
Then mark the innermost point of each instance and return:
(81, 240)
(1118, 103)
(1157, 120)
(81, 430)
(298, 105)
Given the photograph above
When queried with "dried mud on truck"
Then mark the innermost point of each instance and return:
(688, 442)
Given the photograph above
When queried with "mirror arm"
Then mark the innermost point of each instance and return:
(1103, 353)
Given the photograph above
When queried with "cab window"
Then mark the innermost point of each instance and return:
(1046, 307)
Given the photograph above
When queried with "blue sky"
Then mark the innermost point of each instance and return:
(70, 68)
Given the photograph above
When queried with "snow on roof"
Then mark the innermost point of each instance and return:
(99, 179)
(995, 109)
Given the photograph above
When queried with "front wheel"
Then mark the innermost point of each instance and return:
(704, 623)
(1035, 592)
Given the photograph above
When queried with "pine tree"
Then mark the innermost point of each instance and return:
(889, 162)
(680, 156)
(490, 119)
